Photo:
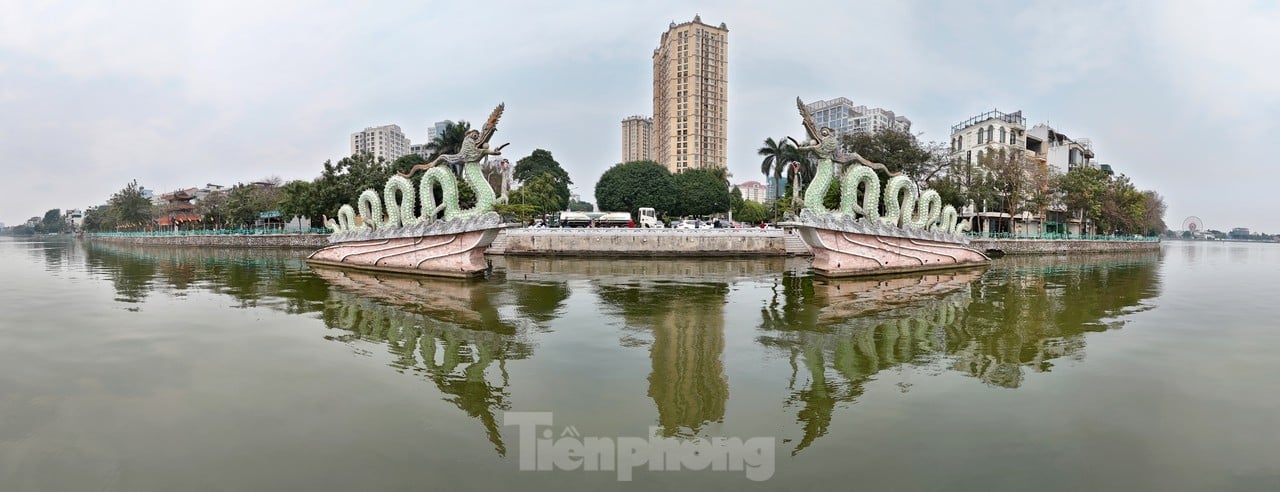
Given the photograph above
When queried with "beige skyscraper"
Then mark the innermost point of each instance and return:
(690, 96)
(637, 143)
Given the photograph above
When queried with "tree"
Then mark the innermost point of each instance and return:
(631, 185)
(1082, 191)
(735, 200)
(541, 192)
(700, 192)
(581, 206)
(96, 219)
(213, 209)
(128, 208)
(295, 198)
(538, 163)
(751, 213)
(899, 151)
(449, 141)
(777, 155)
(406, 162)
(52, 222)
(1154, 206)
(246, 202)
(1008, 171)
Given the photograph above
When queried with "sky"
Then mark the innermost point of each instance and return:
(1181, 96)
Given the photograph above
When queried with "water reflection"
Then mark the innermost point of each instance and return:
(253, 277)
(998, 325)
(450, 331)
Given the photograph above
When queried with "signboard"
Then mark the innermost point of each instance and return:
(269, 215)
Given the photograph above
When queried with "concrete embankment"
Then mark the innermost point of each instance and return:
(1059, 246)
(313, 241)
(649, 242)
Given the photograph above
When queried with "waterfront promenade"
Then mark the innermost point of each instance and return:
(642, 242)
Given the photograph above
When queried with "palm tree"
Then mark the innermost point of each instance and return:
(776, 154)
(449, 141)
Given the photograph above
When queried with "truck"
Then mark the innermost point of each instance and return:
(595, 219)
(648, 219)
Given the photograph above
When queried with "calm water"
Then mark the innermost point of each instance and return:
(183, 369)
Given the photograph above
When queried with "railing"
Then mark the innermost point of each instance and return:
(214, 232)
(1054, 236)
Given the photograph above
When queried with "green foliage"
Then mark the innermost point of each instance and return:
(1083, 189)
(581, 206)
(213, 209)
(518, 212)
(294, 198)
(899, 151)
(406, 162)
(449, 141)
(751, 213)
(539, 163)
(631, 185)
(129, 209)
(735, 200)
(541, 192)
(52, 222)
(700, 192)
(245, 202)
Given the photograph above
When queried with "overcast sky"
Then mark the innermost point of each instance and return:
(1180, 96)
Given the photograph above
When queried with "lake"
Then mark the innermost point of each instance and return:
(133, 368)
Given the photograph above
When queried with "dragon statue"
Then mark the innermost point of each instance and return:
(401, 198)
(905, 206)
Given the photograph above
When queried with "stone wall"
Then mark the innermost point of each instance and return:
(1060, 246)
(646, 242)
(313, 241)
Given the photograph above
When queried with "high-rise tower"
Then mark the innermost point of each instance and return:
(690, 96)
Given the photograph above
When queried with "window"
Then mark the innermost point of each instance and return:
(991, 130)
(1002, 134)
(979, 136)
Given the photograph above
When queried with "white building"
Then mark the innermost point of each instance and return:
(754, 191)
(1058, 150)
(387, 142)
(842, 116)
(988, 132)
(74, 218)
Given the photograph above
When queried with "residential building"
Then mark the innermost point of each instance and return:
(1239, 233)
(1058, 150)
(754, 191)
(988, 132)
(636, 138)
(201, 193)
(690, 96)
(74, 218)
(842, 116)
(387, 142)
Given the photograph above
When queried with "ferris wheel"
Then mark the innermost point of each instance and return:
(1192, 224)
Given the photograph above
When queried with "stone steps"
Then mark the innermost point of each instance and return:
(499, 245)
(795, 245)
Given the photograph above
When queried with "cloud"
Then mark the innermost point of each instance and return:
(178, 95)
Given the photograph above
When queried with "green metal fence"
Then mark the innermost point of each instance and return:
(1080, 237)
(215, 232)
